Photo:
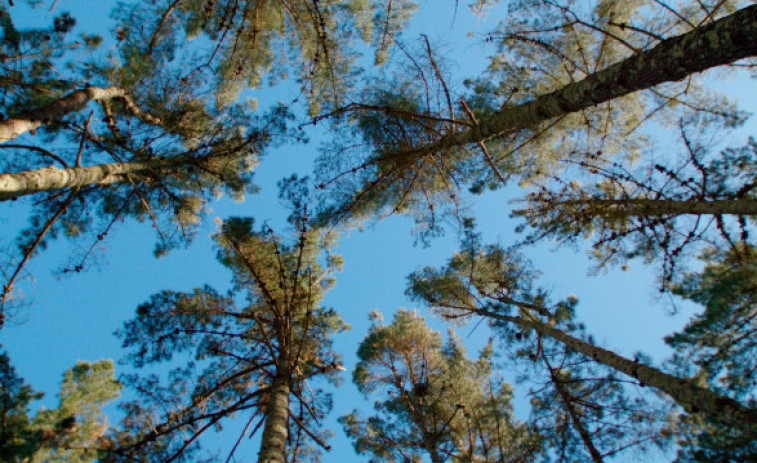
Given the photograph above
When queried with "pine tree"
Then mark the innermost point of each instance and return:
(662, 211)
(253, 359)
(72, 432)
(436, 403)
(152, 151)
(717, 347)
(561, 83)
(171, 131)
(495, 284)
(585, 410)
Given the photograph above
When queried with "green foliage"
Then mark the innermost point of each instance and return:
(720, 340)
(429, 149)
(646, 212)
(435, 401)
(71, 433)
(579, 404)
(237, 350)
(254, 42)
(717, 347)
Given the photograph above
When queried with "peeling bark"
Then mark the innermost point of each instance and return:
(15, 126)
(691, 397)
(724, 41)
(276, 430)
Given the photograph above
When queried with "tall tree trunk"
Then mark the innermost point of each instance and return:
(724, 41)
(276, 430)
(29, 120)
(52, 178)
(657, 207)
(691, 397)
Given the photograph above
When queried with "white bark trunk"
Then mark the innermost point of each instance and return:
(51, 178)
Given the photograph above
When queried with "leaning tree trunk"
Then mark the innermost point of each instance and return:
(276, 430)
(692, 398)
(29, 120)
(724, 41)
(29, 182)
(659, 207)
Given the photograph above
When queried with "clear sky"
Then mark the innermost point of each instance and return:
(73, 318)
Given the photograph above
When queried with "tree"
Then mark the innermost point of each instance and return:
(585, 410)
(659, 212)
(171, 132)
(567, 104)
(493, 283)
(436, 402)
(149, 157)
(70, 433)
(582, 408)
(717, 348)
(255, 358)
(249, 39)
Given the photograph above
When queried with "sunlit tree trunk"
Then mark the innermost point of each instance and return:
(276, 430)
(691, 397)
(29, 120)
(51, 178)
(724, 41)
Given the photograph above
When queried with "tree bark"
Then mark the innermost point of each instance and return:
(276, 430)
(51, 178)
(29, 120)
(724, 41)
(692, 398)
(658, 207)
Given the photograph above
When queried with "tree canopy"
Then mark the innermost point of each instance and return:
(603, 124)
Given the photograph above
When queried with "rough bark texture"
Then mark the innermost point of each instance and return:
(51, 178)
(276, 430)
(656, 207)
(724, 41)
(29, 120)
(21, 123)
(691, 397)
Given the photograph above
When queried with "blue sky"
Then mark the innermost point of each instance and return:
(73, 318)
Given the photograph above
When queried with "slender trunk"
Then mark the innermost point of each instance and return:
(276, 430)
(29, 120)
(583, 432)
(724, 41)
(51, 178)
(691, 397)
(434, 452)
(657, 207)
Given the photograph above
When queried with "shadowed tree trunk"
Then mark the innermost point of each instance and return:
(656, 207)
(15, 126)
(574, 417)
(691, 397)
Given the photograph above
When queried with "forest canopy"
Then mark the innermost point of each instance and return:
(457, 145)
